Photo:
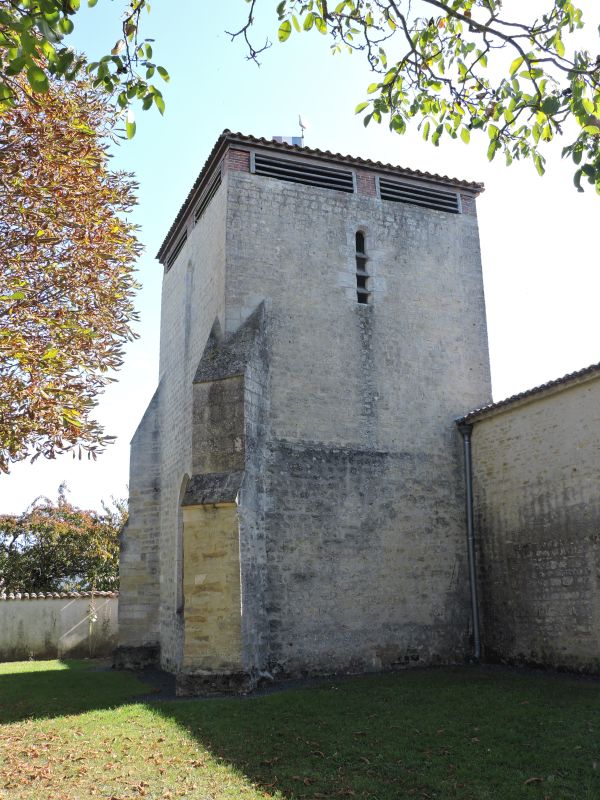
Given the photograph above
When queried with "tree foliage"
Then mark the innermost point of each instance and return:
(66, 267)
(462, 66)
(54, 546)
(454, 66)
(32, 44)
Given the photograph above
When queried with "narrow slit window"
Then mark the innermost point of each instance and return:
(363, 291)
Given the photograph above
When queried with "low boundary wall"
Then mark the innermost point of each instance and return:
(65, 625)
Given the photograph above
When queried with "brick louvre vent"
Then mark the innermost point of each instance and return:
(365, 183)
(237, 160)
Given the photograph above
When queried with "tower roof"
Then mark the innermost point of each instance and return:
(229, 139)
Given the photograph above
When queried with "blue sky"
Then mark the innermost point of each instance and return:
(540, 257)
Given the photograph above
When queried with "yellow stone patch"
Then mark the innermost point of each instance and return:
(211, 586)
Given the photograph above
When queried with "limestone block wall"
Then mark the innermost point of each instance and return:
(336, 421)
(363, 496)
(253, 503)
(58, 626)
(222, 514)
(213, 638)
(537, 501)
(192, 298)
(140, 542)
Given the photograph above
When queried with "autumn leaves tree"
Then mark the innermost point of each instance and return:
(55, 546)
(66, 269)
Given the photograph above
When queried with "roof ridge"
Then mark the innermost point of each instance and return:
(564, 380)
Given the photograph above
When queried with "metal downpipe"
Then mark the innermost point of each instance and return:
(465, 430)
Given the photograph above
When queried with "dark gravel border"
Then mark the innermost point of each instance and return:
(163, 683)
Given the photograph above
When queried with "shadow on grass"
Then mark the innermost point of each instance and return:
(437, 733)
(452, 733)
(40, 689)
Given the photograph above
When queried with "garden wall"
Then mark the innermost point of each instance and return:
(67, 625)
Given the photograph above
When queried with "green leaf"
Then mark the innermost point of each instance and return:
(296, 24)
(15, 66)
(588, 105)
(465, 135)
(38, 80)
(309, 21)
(160, 103)
(397, 124)
(130, 129)
(285, 29)
(515, 65)
(65, 25)
(28, 42)
(92, 3)
(435, 137)
(550, 105)
(492, 149)
(163, 74)
(426, 130)
(361, 107)
(320, 25)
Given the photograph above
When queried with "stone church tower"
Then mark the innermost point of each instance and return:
(297, 502)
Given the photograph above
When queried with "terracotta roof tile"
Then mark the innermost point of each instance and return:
(570, 377)
(54, 595)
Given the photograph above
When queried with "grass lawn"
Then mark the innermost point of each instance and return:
(71, 731)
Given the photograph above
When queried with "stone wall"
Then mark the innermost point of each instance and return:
(59, 626)
(362, 486)
(161, 455)
(537, 501)
(140, 543)
(346, 529)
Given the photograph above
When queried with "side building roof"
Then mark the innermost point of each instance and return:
(229, 139)
(564, 382)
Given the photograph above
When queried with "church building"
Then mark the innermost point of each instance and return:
(297, 496)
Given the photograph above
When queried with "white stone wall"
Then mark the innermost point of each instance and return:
(352, 511)
(364, 500)
(336, 377)
(140, 541)
(537, 500)
(58, 627)
(192, 297)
